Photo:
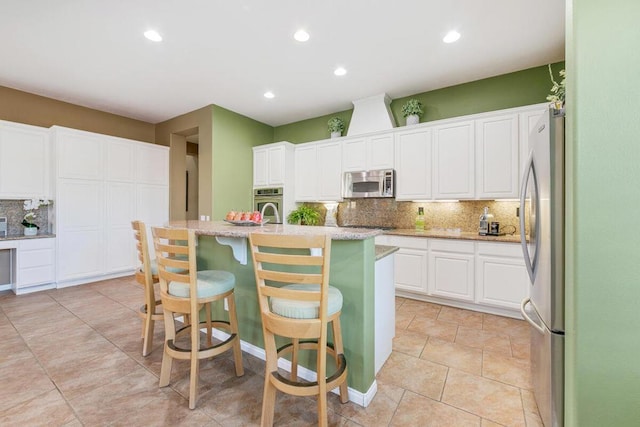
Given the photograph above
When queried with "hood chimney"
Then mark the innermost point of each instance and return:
(371, 114)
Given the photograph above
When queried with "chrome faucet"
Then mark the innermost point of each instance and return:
(275, 211)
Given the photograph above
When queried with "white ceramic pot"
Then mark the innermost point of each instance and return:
(337, 134)
(30, 231)
(413, 119)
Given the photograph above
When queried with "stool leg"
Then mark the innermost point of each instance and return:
(338, 347)
(294, 359)
(271, 365)
(207, 311)
(193, 374)
(170, 334)
(233, 324)
(321, 367)
(147, 334)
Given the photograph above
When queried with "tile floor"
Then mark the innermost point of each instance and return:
(72, 357)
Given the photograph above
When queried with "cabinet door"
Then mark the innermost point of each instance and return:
(24, 161)
(306, 176)
(152, 164)
(497, 157)
(451, 269)
(380, 152)
(528, 121)
(36, 262)
(413, 165)
(120, 160)
(453, 161)
(276, 171)
(502, 282)
(354, 156)
(79, 154)
(80, 237)
(410, 270)
(152, 207)
(260, 167)
(330, 172)
(120, 249)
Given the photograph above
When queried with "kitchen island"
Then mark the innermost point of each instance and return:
(224, 246)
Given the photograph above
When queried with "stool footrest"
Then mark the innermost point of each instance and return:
(332, 381)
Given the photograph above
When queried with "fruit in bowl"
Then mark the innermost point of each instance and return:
(256, 217)
(230, 215)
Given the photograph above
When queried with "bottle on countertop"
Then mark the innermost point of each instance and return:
(485, 219)
(420, 220)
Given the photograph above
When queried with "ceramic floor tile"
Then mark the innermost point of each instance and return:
(22, 380)
(409, 342)
(489, 399)
(416, 410)
(403, 320)
(237, 401)
(485, 340)
(531, 414)
(48, 408)
(417, 375)
(488, 423)
(509, 370)
(505, 325)
(424, 309)
(379, 411)
(433, 328)
(521, 347)
(470, 319)
(453, 355)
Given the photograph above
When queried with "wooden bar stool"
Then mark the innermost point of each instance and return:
(147, 276)
(297, 302)
(189, 292)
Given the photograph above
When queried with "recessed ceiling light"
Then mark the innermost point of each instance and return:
(340, 71)
(301, 36)
(153, 35)
(451, 37)
(269, 95)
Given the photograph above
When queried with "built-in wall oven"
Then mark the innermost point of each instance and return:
(262, 196)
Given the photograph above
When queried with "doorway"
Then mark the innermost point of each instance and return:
(184, 172)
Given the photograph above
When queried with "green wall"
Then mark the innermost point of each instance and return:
(524, 87)
(233, 137)
(603, 254)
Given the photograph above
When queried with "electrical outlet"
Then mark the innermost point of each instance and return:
(518, 212)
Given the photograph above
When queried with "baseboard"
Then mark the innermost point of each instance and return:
(93, 279)
(37, 288)
(355, 396)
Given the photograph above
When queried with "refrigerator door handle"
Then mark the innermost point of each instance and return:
(529, 171)
(527, 318)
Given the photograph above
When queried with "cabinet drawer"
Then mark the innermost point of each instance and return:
(35, 258)
(447, 245)
(35, 276)
(29, 244)
(408, 242)
(513, 250)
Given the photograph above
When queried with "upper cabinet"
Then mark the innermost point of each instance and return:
(528, 121)
(24, 161)
(368, 153)
(318, 172)
(272, 164)
(413, 164)
(454, 161)
(497, 157)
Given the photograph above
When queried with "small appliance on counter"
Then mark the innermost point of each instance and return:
(485, 219)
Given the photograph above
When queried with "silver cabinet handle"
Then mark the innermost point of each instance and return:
(529, 170)
(527, 318)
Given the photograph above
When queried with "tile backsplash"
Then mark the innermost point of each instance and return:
(13, 210)
(464, 215)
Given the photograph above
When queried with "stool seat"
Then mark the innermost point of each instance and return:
(296, 309)
(210, 283)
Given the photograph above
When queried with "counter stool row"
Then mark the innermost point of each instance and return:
(295, 301)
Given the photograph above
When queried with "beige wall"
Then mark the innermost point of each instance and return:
(180, 126)
(23, 107)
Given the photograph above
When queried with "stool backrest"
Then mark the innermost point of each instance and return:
(176, 257)
(143, 274)
(279, 260)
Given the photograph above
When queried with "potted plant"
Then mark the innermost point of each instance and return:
(304, 215)
(412, 110)
(557, 90)
(28, 221)
(336, 126)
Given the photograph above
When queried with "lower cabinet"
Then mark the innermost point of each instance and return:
(484, 276)
(35, 265)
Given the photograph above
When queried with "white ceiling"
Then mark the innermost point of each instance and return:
(229, 52)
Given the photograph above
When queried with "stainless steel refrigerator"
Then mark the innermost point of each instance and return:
(542, 200)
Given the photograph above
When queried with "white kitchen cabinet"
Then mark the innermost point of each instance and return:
(528, 121)
(368, 153)
(410, 264)
(501, 275)
(272, 163)
(451, 269)
(95, 205)
(497, 157)
(413, 164)
(24, 161)
(35, 265)
(318, 172)
(454, 161)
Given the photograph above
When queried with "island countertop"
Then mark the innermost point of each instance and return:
(225, 229)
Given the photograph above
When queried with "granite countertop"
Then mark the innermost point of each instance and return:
(460, 235)
(23, 237)
(225, 229)
(383, 251)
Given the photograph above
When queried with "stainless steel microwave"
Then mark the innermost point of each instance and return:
(365, 184)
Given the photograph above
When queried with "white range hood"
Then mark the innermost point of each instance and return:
(371, 114)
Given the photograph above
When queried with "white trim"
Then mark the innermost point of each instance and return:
(93, 279)
(355, 396)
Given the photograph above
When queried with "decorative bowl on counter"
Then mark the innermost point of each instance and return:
(247, 223)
